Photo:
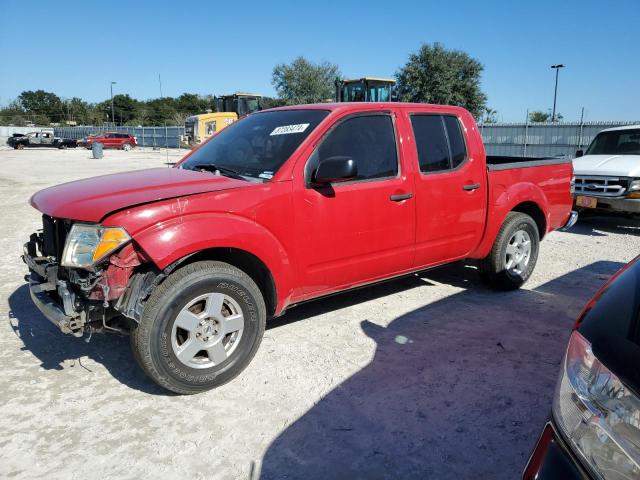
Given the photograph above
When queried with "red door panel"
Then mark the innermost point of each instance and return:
(355, 232)
(450, 201)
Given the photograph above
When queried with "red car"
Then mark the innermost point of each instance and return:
(123, 141)
(284, 206)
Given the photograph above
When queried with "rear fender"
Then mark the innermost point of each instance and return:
(168, 242)
(503, 200)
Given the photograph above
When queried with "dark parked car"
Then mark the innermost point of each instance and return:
(39, 139)
(594, 431)
(123, 141)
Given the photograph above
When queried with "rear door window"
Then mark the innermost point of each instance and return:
(439, 142)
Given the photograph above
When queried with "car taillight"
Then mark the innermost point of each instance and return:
(598, 414)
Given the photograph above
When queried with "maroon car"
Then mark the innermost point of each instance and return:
(123, 141)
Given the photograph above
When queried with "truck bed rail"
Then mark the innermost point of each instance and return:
(504, 163)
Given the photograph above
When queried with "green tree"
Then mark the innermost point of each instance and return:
(77, 110)
(302, 81)
(538, 116)
(45, 106)
(270, 102)
(192, 104)
(125, 109)
(161, 110)
(436, 75)
(490, 115)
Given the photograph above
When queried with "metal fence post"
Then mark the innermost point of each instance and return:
(581, 129)
(526, 134)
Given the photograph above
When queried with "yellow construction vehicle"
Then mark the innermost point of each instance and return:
(240, 103)
(198, 128)
(366, 89)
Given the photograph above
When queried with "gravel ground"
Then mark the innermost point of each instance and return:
(430, 376)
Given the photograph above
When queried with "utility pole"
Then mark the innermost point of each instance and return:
(113, 117)
(555, 92)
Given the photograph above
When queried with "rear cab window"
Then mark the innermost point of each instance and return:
(439, 142)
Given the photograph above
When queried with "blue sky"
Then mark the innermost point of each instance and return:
(76, 48)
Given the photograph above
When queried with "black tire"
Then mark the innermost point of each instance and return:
(151, 339)
(62, 147)
(19, 146)
(493, 268)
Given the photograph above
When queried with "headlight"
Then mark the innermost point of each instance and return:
(598, 414)
(88, 244)
(634, 189)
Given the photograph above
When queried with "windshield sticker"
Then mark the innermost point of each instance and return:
(266, 175)
(286, 129)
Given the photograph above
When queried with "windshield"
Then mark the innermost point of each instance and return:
(616, 142)
(259, 144)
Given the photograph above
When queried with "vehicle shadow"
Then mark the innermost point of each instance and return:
(595, 225)
(459, 388)
(53, 349)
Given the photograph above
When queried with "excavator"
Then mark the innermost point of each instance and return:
(197, 128)
(366, 89)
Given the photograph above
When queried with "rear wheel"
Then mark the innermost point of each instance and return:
(200, 328)
(514, 253)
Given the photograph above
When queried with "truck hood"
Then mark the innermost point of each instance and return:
(91, 199)
(609, 165)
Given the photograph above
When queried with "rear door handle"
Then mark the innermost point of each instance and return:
(400, 197)
(471, 186)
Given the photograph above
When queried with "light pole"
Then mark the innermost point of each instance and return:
(555, 92)
(113, 118)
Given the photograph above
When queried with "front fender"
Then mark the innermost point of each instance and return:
(167, 242)
(504, 198)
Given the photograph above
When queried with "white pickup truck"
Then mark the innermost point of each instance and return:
(608, 173)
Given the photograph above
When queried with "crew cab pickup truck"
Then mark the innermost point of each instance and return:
(608, 174)
(282, 207)
(19, 141)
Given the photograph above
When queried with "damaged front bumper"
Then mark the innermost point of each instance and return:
(52, 296)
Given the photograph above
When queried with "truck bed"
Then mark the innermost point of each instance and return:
(496, 162)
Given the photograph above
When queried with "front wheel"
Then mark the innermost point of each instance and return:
(126, 147)
(514, 253)
(200, 328)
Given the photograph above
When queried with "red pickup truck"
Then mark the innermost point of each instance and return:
(284, 206)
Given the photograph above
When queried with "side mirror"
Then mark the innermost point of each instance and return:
(579, 153)
(335, 169)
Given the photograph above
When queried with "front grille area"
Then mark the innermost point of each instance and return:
(601, 186)
(54, 234)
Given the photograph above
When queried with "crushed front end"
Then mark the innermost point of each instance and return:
(79, 273)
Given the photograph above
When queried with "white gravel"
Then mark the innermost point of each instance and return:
(428, 376)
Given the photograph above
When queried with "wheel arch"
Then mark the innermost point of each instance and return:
(534, 210)
(243, 260)
(524, 197)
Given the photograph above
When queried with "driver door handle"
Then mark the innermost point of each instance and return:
(400, 197)
(471, 186)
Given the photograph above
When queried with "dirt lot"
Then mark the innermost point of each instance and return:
(431, 376)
